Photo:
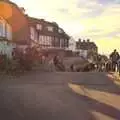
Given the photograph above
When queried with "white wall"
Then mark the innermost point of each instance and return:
(83, 53)
(72, 44)
(6, 49)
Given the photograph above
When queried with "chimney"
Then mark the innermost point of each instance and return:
(83, 40)
(23, 10)
(79, 40)
(88, 40)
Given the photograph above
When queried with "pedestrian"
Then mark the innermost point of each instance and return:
(72, 68)
(51, 65)
(114, 56)
(55, 60)
(118, 63)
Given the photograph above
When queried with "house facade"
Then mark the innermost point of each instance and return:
(86, 48)
(47, 35)
(72, 44)
(18, 28)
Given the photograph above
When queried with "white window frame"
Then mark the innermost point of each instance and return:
(1, 29)
(39, 27)
(32, 33)
(60, 30)
(5, 29)
(8, 31)
(50, 28)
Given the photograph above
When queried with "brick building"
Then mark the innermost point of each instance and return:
(19, 28)
(47, 35)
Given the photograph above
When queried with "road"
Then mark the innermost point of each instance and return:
(60, 96)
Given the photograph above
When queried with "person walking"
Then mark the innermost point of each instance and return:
(118, 64)
(114, 56)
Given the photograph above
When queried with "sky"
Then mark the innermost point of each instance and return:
(97, 20)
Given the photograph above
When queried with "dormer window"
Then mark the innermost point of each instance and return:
(39, 27)
(60, 31)
(50, 28)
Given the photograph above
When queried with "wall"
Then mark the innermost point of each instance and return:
(72, 44)
(18, 21)
(6, 48)
(83, 53)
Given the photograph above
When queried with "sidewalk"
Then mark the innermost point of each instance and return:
(115, 76)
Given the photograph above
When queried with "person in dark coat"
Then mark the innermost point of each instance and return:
(114, 56)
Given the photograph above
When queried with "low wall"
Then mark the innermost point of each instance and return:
(6, 48)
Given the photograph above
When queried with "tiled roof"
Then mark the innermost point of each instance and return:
(86, 45)
(33, 20)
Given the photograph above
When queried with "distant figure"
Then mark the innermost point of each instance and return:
(72, 68)
(118, 63)
(114, 56)
(51, 65)
(56, 60)
(108, 66)
(99, 63)
(58, 63)
(43, 59)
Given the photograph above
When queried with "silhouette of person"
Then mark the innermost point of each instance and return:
(114, 56)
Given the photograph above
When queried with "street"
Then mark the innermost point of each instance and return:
(60, 96)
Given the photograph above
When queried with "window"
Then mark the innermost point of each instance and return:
(60, 31)
(40, 39)
(47, 40)
(39, 27)
(8, 32)
(50, 28)
(32, 33)
(1, 29)
(50, 41)
(5, 29)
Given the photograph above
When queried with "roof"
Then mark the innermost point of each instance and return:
(33, 20)
(38, 20)
(86, 45)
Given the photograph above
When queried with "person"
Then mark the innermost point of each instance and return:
(72, 67)
(99, 63)
(108, 66)
(118, 63)
(114, 56)
(55, 60)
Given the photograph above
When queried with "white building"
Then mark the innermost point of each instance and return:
(72, 44)
(83, 53)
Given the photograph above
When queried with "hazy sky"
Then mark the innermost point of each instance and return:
(98, 20)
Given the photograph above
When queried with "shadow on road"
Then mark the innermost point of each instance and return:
(99, 107)
(111, 87)
(100, 83)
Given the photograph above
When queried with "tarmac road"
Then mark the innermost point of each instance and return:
(60, 96)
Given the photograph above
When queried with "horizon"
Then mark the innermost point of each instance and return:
(97, 20)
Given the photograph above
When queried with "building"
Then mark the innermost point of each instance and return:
(86, 48)
(72, 44)
(47, 35)
(18, 28)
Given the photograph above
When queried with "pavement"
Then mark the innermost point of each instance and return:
(115, 76)
(60, 96)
